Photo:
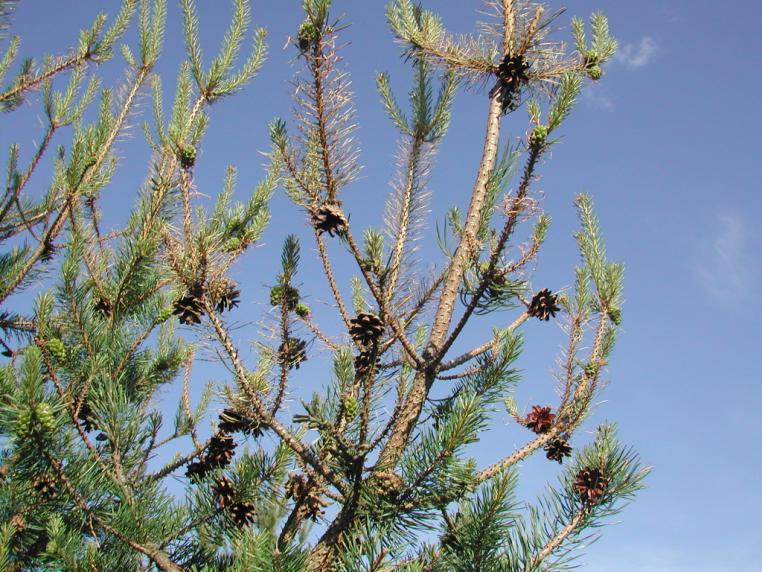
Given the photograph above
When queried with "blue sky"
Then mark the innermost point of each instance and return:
(667, 144)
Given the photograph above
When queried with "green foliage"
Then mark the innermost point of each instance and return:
(375, 471)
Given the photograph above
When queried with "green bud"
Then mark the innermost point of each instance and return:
(24, 422)
(350, 407)
(279, 292)
(57, 349)
(165, 314)
(538, 135)
(233, 244)
(187, 156)
(44, 414)
(615, 315)
(308, 35)
(302, 310)
(595, 73)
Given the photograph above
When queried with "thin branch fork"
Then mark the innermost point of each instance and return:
(583, 393)
(505, 234)
(301, 450)
(482, 349)
(422, 383)
(557, 540)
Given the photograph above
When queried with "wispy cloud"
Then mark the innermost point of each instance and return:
(727, 268)
(595, 96)
(638, 55)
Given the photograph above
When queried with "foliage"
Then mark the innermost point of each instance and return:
(374, 472)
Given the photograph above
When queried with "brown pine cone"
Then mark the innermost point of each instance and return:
(590, 485)
(366, 329)
(540, 419)
(543, 305)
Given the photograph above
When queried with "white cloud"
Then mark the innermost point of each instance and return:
(726, 269)
(596, 97)
(638, 55)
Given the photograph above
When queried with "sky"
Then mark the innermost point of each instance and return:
(668, 146)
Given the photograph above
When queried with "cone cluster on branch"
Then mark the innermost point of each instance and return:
(231, 421)
(223, 294)
(225, 493)
(302, 490)
(219, 453)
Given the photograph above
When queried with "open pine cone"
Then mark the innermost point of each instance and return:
(225, 295)
(543, 305)
(292, 352)
(224, 492)
(590, 485)
(540, 419)
(366, 329)
(330, 218)
(557, 450)
(512, 75)
(233, 422)
(189, 308)
(243, 513)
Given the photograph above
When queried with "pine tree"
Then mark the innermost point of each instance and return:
(373, 472)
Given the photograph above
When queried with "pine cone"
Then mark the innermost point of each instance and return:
(387, 483)
(557, 450)
(197, 470)
(243, 513)
(224, 492)
(364, 362)
(292, 352)
(44, 486)
(330, 218)
(295, 485)
(540, 419)
(366, 329)
(233, 422)
(189, 308)
(512, 74)
(85, 416)
(300, 489)
(103, 307)
(220, 451)
(590, 485)
(543, 305)
(225, 295)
